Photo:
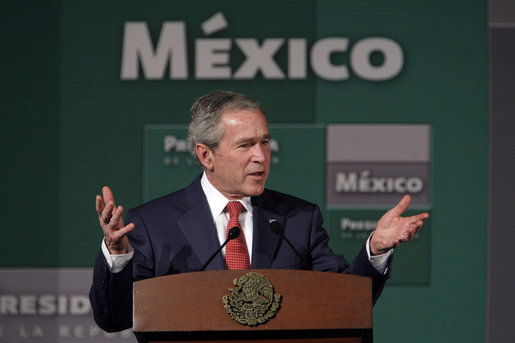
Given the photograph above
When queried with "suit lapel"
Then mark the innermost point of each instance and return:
(265, 241)
(197, 226)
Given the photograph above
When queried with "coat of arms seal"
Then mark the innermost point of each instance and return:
(253, 301)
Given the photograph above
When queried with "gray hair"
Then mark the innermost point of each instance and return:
(205, 121)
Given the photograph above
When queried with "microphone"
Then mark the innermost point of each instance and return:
(233, 233)
(278, 229)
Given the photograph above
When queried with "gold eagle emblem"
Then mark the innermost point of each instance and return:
(253, 301)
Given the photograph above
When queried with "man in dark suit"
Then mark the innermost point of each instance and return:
(177, 233)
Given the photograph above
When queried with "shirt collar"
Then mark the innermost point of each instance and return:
(217, 201)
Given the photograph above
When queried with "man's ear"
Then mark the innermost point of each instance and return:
(205, 156)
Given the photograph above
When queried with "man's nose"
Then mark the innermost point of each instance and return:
(258, 153)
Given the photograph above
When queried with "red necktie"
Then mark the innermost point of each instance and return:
(236, 253)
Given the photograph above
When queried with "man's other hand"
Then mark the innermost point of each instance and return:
(392, 229)
(111, 221)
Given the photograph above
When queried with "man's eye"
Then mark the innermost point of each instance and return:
(265, 142)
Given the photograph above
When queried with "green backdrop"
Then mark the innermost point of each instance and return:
(70, 125)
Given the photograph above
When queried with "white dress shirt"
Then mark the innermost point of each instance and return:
(217, 203)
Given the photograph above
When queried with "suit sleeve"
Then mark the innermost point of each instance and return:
(324, 259)
(143, 261)
(111, 293)
(111, 296)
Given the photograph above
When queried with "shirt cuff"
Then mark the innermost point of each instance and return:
(379, 262)
(115, 262)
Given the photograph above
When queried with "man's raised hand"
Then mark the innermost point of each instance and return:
(392, 229)
(111, 221)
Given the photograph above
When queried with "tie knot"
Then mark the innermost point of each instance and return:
(234, 208)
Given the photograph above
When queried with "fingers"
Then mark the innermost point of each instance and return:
(105, 205)
(99, 205)
(117, 241)
(419, 217)
(101, 200)
(115, 233)
(116, 236)
(110, 217)
(117, 214)
(402, 205)
(407, 236)
(417, 221)
(107, 194)
(414, 226)
(392, 229)
(107, 213)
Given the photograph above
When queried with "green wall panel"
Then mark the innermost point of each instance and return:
(70, 125)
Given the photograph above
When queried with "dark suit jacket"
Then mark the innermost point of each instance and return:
(176, 234)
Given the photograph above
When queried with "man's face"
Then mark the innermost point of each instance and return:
(241, 164)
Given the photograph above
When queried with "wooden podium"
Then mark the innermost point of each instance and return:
(315, 307)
